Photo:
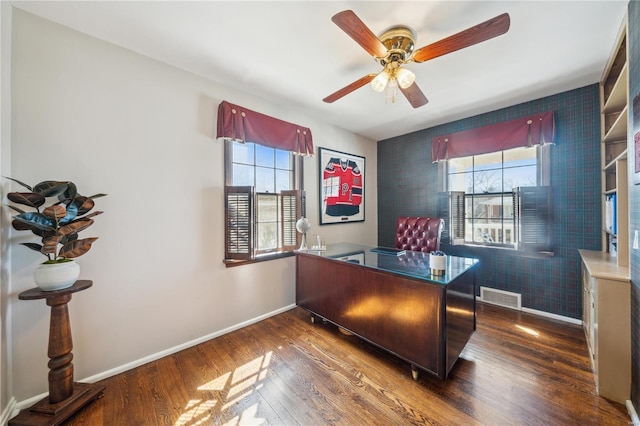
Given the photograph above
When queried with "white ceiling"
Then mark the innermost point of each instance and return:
(291, 53)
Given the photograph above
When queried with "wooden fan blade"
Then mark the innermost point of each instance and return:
(414, 95)
(350, 88)
(358, 31)
(477, 34)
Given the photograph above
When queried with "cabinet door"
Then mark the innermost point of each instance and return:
(612, 326)
(589, 286)
(586, 305)
(593, 326)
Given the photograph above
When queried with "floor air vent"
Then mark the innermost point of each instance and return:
(501, 297)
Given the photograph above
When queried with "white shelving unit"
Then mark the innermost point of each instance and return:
(614, 98)
(606, 287)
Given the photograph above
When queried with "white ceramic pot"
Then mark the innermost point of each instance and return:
(56, 276)
(438, 264)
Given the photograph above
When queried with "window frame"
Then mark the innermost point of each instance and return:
(285, 208)
(456, 202)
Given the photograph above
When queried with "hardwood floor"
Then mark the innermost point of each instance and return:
(517, 369)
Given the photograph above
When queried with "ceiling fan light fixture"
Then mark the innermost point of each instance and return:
(380, 81)
(405, 77)
(395, 47)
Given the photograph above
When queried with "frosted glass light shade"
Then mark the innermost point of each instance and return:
(380, 82)
(405, 77)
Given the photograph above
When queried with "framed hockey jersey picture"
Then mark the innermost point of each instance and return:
(636, 138)
(341, 187)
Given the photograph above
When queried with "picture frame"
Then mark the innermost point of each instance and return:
(635, 131)
(636, 144)
(341, 191)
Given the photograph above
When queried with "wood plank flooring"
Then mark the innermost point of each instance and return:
(517, 369)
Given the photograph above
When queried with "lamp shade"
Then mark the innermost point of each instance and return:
(405, 77)
(380, 82)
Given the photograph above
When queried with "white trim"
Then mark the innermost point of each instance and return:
(632, 413)
(552, 316)
(9, 412)
(183, 346)
(125, 367)
(539, 313)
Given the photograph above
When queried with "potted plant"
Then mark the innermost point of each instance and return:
(57, 225)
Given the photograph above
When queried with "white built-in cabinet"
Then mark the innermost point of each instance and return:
(606, 288)
(606, 315)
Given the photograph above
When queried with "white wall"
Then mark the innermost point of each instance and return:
(116, 122)
(5, 169)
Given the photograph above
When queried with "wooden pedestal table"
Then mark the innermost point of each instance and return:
(65, 397)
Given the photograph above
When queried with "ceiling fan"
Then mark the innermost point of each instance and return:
(394, 47)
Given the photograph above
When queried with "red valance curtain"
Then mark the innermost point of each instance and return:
(538, 129)
(244, 125)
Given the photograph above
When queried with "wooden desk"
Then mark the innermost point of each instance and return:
(65, 396)
(392, 301)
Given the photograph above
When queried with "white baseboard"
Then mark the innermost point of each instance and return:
(9, 412)
(178, 348)
(553, 316)
(125, 367)
(632, 413)
(543, 314)
(26, 403)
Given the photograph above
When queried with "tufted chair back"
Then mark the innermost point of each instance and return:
(419, 233)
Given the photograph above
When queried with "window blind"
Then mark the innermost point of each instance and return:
(239, 232)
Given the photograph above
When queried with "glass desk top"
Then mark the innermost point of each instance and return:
(412, 264)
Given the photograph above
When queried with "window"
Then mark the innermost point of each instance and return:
(263, 200)
(489, 203)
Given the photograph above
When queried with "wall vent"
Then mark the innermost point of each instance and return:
(501, 297)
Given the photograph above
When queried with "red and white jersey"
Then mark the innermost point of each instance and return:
(342, 187)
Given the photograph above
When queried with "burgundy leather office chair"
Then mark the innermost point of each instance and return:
(419, 233)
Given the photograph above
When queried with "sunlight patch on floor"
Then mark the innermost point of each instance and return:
(216, 384)
(528, 330)
(233, 387)
(196, 412)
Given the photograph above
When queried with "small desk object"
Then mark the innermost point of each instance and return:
(393, 301)
(65, 397)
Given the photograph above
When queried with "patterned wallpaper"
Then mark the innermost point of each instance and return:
(633, 39)
(407, 185)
